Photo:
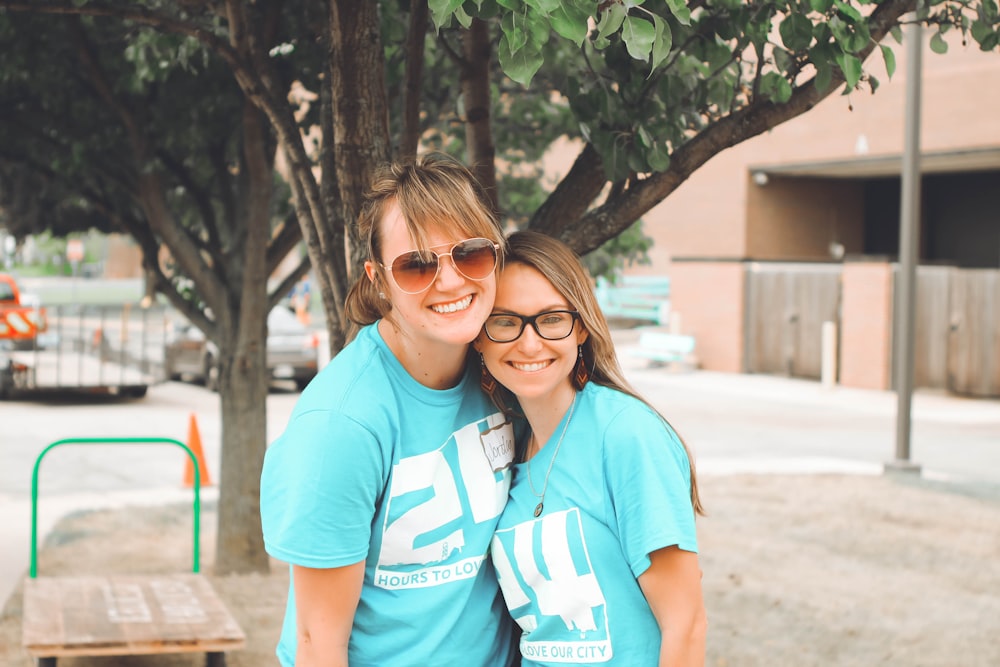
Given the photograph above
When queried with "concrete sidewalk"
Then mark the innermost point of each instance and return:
(744, 423)
(734, 424)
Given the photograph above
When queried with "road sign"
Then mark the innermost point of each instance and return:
(74, 250)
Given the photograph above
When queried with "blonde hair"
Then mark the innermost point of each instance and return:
(433, 191)
(560, 266)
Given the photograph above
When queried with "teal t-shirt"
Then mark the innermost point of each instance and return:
(374, 466)
(619, 489)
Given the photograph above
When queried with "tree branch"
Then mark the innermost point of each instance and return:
(573, 196)
(589, 231)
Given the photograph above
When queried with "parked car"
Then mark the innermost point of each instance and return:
(292, 351)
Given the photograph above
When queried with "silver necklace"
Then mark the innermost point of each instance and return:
(541, 496)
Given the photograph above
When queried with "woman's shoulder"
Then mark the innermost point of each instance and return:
(353, 375)
(617, 413)
(611, 401)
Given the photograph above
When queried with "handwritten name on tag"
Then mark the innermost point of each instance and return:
(498, 445)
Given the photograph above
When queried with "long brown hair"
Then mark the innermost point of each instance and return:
(435, 190)
(560, 266)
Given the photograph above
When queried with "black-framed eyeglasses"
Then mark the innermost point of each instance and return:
(550, 325)
(415, 271)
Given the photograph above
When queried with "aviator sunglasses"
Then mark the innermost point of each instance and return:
(415, 271)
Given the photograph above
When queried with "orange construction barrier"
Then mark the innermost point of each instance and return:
(194, 443)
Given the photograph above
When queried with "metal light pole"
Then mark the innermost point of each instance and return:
(909, 225)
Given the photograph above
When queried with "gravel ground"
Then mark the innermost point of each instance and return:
(799, 570)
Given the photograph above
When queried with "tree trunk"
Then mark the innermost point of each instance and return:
(360, 109)
(243, 376)
(355, 141)
(243, 387)
(413, 79)
(475, 81)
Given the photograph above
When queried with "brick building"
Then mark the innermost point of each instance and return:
(825, 188)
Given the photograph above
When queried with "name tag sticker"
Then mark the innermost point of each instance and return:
(498, 445)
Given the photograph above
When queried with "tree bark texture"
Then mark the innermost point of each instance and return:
(360, 111)
(413, 78)
(475, 84)
(244, 378)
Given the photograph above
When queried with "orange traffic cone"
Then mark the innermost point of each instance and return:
(194, 443)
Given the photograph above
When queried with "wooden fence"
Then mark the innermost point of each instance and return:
(974, 333)
(957, 323)
(786, 307)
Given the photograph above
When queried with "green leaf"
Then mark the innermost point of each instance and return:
(442, 10)
(658, 158)
(680, 11)
(485, 9)
(720, 94)
(839, 30)
(873, 82)
(848, 11)
(513, 30)
(989, 11)
(897, 34)
(859, 39)
(662, 41)
(938, 43)
(990, 42)
(611, 20)
(636, 161)
(638, 36)
(821, 6)
(544, 6)
(463, 18)
(851, 67)
(645, 138)
(782, 60)
(796, 32)
(539, 30)
(980, 30)
(604, 143)
(824, 75)
(570, 22)
(520, 65)
(774, 87)
(890, 59)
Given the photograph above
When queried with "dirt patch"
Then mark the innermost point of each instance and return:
(799, 570)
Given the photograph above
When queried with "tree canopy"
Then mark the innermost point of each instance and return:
(649, 91)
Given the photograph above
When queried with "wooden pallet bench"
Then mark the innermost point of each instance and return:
(126, 615)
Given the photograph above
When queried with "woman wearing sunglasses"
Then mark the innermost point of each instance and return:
(596, 549)
(384, 491)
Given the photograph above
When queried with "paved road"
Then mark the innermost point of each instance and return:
(734, 423)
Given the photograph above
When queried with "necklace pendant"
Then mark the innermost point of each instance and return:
(538, 509)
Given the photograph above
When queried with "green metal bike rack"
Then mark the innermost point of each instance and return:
(196, 558)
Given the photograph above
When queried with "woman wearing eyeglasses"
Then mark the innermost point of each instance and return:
(384, 491)
(596, 549)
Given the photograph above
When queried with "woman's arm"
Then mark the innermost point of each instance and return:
(672, 586)
(325, 603)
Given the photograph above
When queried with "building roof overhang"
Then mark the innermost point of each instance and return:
(980, 159)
